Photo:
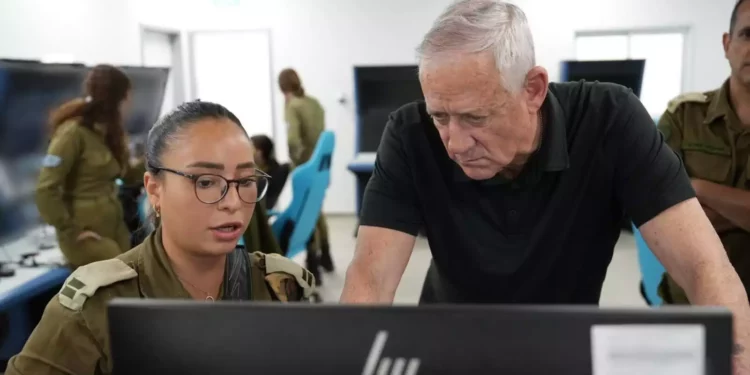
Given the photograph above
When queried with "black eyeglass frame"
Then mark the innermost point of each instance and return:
(195, 177)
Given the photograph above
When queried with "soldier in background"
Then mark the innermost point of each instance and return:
(76, 191)
(711, 132)
(305, 118)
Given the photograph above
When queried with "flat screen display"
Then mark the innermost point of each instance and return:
(628, 73)
(381, 90)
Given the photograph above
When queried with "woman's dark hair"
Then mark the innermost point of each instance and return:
(264, 144)
(105, 88)
(169, 127)
(289, 82)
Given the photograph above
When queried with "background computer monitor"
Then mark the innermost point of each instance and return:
(156, 337)
(380, 90)
(628, 73)
(29, 91)
(147, 94)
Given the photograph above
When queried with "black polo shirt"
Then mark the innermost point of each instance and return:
(548, 235)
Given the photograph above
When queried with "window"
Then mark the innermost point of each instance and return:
(663, 52)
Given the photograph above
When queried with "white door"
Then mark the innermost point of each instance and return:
(233, 68)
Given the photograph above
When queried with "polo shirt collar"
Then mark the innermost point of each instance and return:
(552, 155)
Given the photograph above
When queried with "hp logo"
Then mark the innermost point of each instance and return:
(385, 365)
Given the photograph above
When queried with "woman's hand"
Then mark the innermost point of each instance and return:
(88, 234)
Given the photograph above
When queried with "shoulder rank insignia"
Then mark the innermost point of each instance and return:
(277, 264)
(84, 282)
(691, 97)
(51, 161)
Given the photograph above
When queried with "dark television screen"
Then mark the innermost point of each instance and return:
(29, 91)
(381, 90)
(148, 85)
(628, 73)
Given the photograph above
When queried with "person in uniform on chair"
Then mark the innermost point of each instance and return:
(76, 191)
(520, 184)
(305, 118)
(203, 186)
(265, 157)
(711, 132)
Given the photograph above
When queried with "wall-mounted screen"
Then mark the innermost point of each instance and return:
(379, 91)
(628, 73)
(29, 91)
(148, 86)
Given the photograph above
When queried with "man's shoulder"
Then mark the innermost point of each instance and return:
(411, 113)
(691, 100)
(572, 93)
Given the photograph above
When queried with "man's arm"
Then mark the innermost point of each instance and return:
(379, 262)
(729, 202)
(656, 192)
(685, 243)
(389, 222)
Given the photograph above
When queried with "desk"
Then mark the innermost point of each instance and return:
(362, 167)
(17, 291)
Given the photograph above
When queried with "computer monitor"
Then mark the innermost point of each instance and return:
(148, 85)
(29, 91)
(628, 73)
(380, 90)
(187, 337)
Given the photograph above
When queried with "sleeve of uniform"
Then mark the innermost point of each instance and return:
(62, 343)
(671, 132)
(62, 155)
(294, 134)
(648, 176)
(390, 199)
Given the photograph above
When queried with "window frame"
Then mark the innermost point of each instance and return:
(687, 43)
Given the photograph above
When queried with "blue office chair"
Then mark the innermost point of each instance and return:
(651, 270)
(295, 225)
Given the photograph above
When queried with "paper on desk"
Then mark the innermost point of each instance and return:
(668, 349)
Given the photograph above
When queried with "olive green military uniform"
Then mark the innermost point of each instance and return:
(76, 191)
(258, 235)
(306, 120)
(706, 132)
(73, 334)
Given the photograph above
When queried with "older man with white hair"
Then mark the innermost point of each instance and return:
(520, 184)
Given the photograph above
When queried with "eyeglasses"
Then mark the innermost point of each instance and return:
(211, 188)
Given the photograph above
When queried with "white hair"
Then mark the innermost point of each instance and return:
(473, 26)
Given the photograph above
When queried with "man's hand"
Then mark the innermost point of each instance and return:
(685, 243)
(731, 203)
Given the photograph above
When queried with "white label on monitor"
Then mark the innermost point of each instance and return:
(669, 349)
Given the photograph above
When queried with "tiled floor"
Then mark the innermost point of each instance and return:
(620, 287)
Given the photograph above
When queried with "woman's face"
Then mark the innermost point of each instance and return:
(209, 146)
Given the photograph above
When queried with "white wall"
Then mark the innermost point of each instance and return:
(91, 31)
(324, 39)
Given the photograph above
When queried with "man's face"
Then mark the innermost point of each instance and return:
(737, 45)
(485, 129)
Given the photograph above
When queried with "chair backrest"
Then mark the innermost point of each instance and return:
(651, 270)
(294, 226)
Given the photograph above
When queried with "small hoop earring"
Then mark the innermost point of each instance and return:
(158, 211)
